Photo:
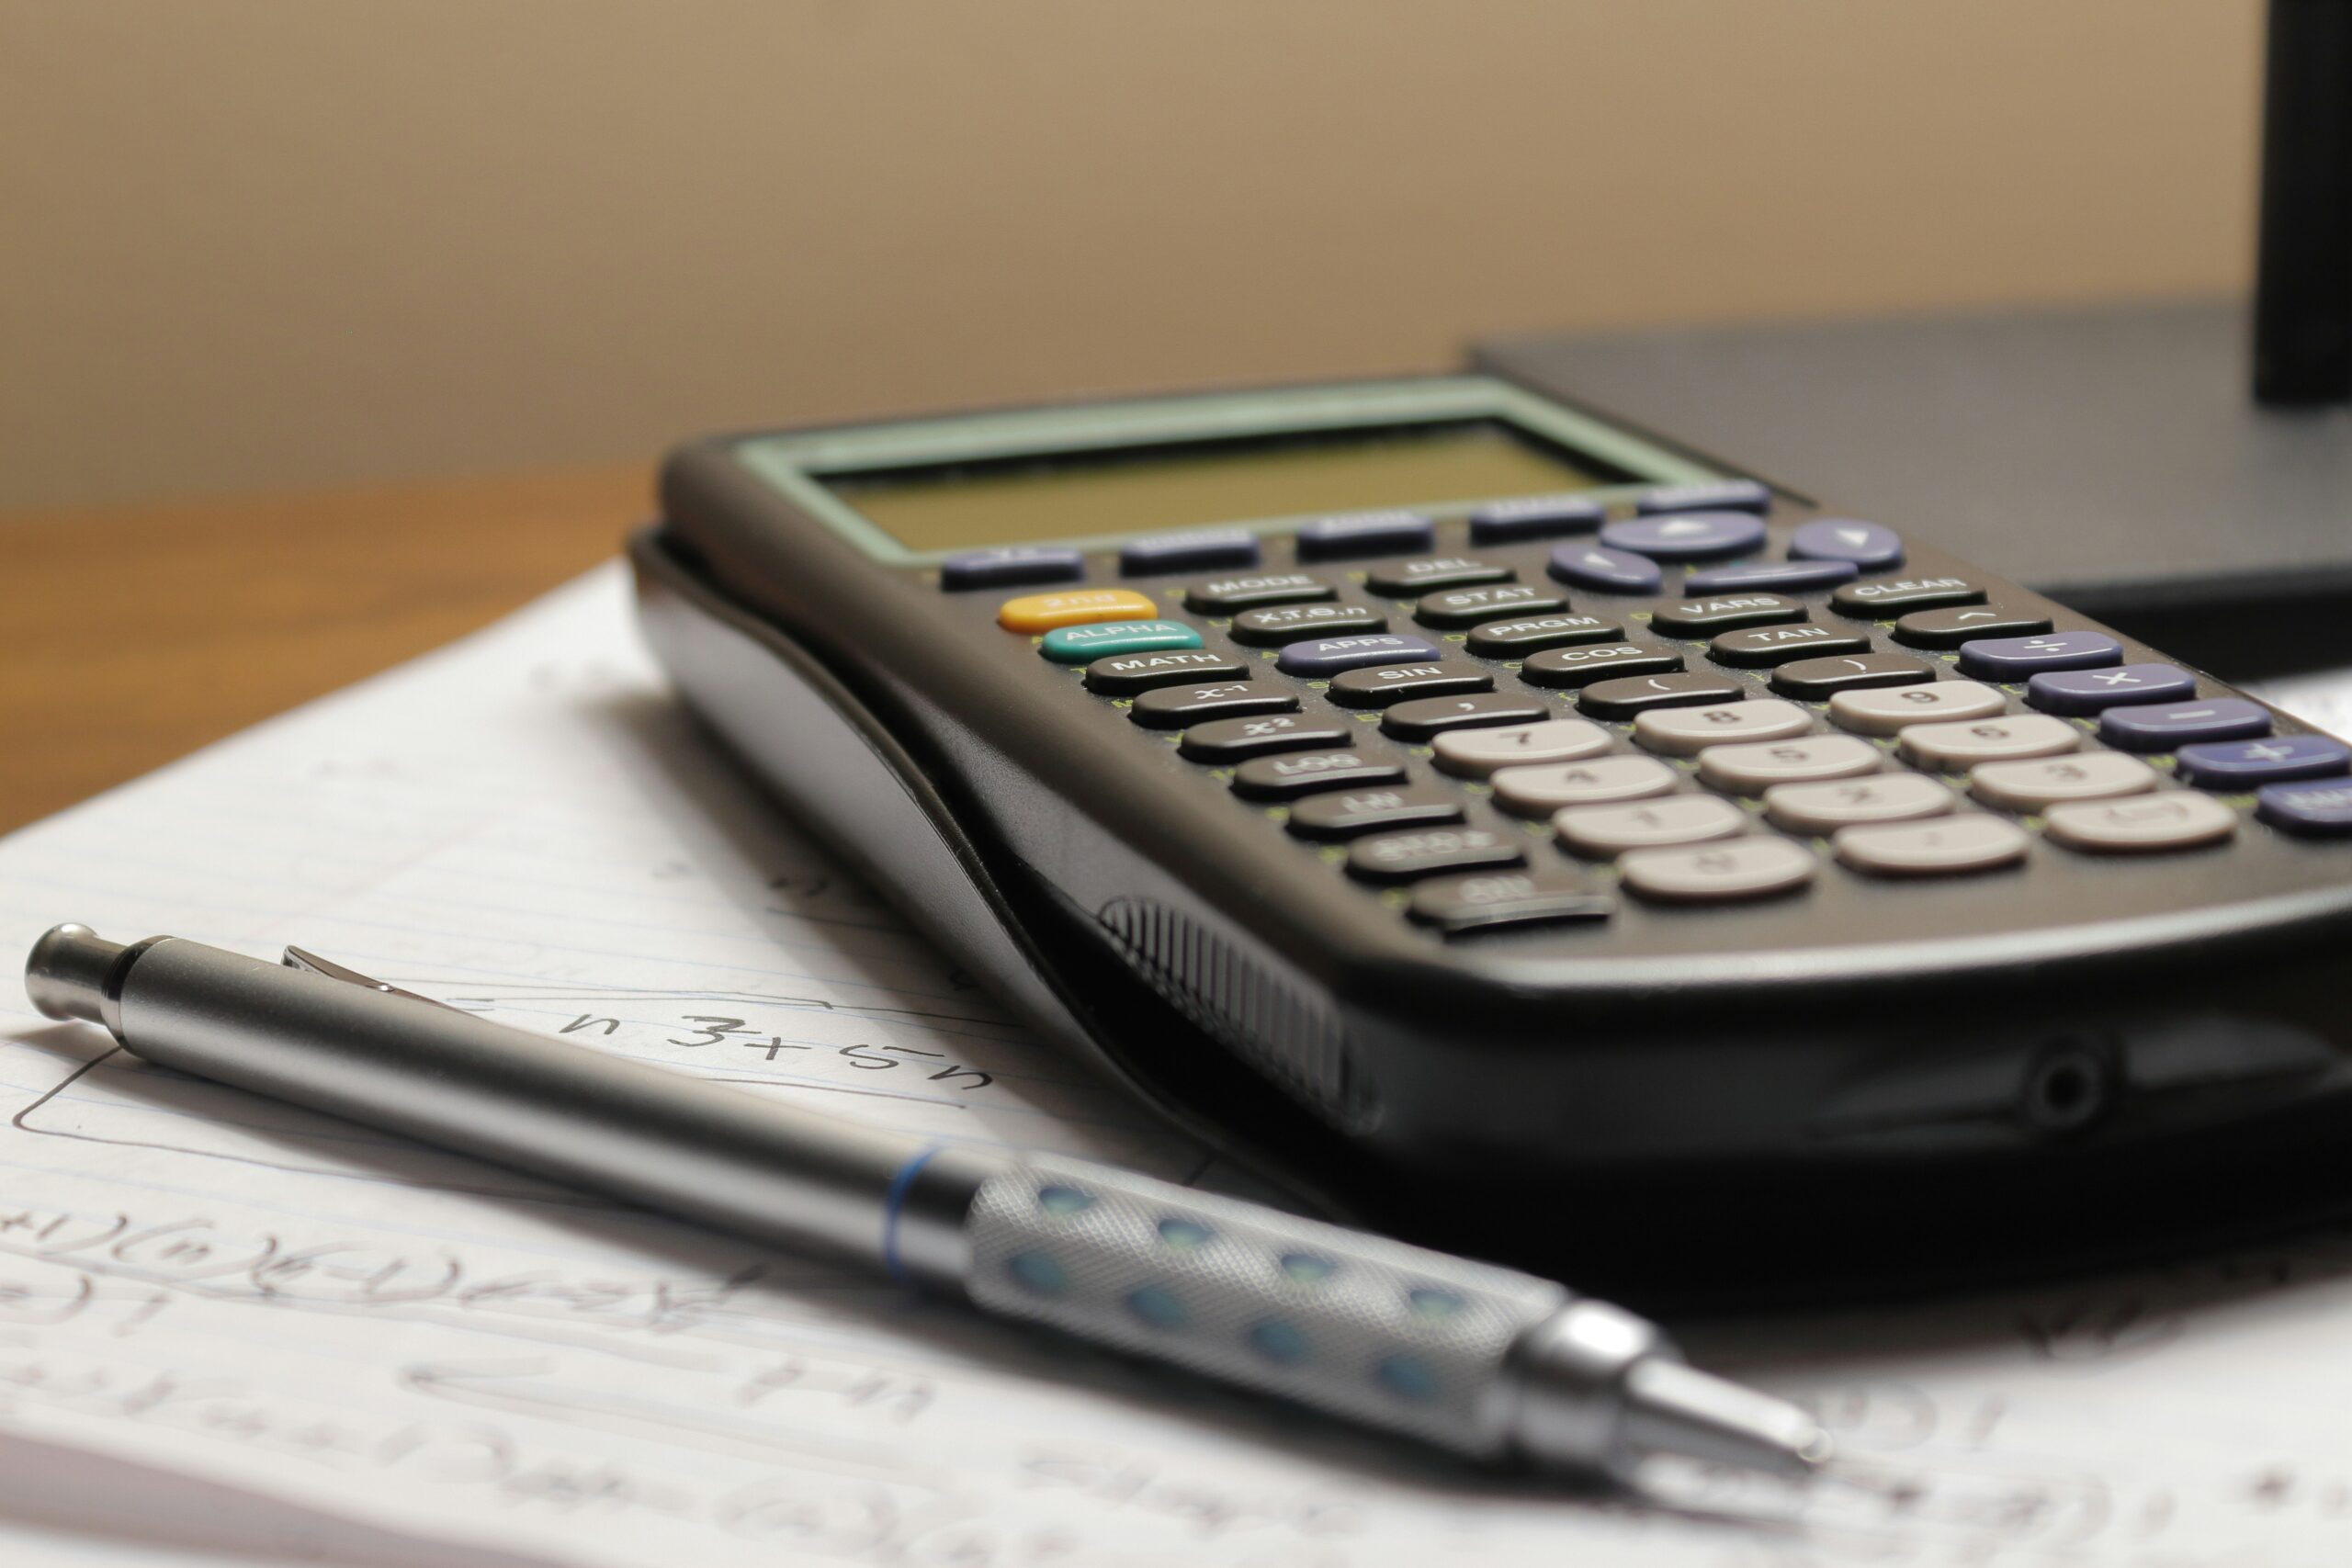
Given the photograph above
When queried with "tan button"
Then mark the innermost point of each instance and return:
(1533, 792)
(1740, 868)
(1679, 732)
(1080, 606)
(1884, 710)
(1959, 747)
(1676, 819)
(1749, 769)
(2030, 786)
(1477, 752)
(2174, 821)
(1948, 846)
(1885, 798)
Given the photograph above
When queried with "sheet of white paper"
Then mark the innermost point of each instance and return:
(200, 1284)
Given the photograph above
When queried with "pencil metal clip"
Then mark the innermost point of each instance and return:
(304, 959)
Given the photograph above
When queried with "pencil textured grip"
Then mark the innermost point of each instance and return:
(1374, 1330)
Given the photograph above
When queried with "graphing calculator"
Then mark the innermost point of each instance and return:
(1540, 839)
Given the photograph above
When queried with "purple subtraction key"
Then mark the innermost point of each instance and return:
(2088, 691)
(2160, 727)
(1365, 533)
(1534, 517)
(1328, 656)
(2317, 808)
(1005, 565)
(2016, 658)
(2242, 764)
(1707, 495)
(1686, 535)
(1869, 546)
(1606, 571)
(1794, 575)
(1190, 551)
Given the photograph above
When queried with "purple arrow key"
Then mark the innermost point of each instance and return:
(2319, 808)
(1686, 535)
(1328, 656)
(2163, 725)
(2088, 691)
(1796, 575)
(2242, 764)
(2015, 657)
(1869, 546)
(1609, 571)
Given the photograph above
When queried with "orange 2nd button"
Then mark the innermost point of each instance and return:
(1043, 612)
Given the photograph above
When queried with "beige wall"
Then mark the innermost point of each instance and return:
(268, 242)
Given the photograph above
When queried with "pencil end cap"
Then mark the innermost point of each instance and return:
(65, 974)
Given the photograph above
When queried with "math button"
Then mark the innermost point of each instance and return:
(1343, 814)
(1308, 772)
(1122, 674)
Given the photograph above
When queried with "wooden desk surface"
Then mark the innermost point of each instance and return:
(132, 636)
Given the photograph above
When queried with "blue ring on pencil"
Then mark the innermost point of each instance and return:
(894, 1204)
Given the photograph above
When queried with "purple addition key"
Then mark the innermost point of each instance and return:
(1686, 535)
(2088, 691)
(2160, 727)
(1606, 571)
(2016, 658)
(2322, 806)
(1328, 656)
(2242, 764)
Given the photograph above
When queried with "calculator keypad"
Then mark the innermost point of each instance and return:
(1666, 705)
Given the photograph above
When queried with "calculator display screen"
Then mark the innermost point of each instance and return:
(1153, 489)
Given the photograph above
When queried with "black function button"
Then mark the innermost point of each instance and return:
(1535, 517)
(1820, 679)
(1469, 606)
(1173, 708)
(1343, 814)
(1231, 739)
(1122, 674)
(1507, 900)
(1404, 578)
(1425, 717)
(1382, 684)
(1296, 623)
(1230, 595)
(1777, 645)
(1406, 857)
(1950, 628)
(1884, 596)
(1723, 613)
(1582, 666)
(1510, 639)
(1638, 694)
(1310, 773)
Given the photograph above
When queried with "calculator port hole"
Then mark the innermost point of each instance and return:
(2068, 1087)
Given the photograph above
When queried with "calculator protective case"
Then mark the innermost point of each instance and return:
(1869, 1085)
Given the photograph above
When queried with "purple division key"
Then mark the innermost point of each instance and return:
(2016, 658)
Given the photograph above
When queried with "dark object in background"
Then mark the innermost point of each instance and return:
(2302, 319)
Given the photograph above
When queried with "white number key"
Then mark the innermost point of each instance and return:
(2174, 821)
(1750, 769)
(1884, 798)
(1737, 868)
(1884, 710)
(2090, 776)
(1679, 732)
(1477, 752)
(1532, 791)
(1603, 831)
(1948, 846)
(1959, 747)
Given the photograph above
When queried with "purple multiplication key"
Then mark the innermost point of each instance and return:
(2160, 727)
(1330, 655)
(1686, 535)
(2244, 764)
(2017, 657)
(1605, 570)
(2088, 691)
(1794, 575)
(1870, 545)
(2317, 807)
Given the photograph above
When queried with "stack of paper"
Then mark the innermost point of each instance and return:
(228, 1325)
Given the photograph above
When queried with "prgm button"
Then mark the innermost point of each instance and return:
(1124, 674)
(1036, 613)
(1510, 639)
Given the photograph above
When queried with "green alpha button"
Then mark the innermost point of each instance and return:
(1077, 645)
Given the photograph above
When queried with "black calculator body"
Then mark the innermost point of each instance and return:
(1540, 840)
